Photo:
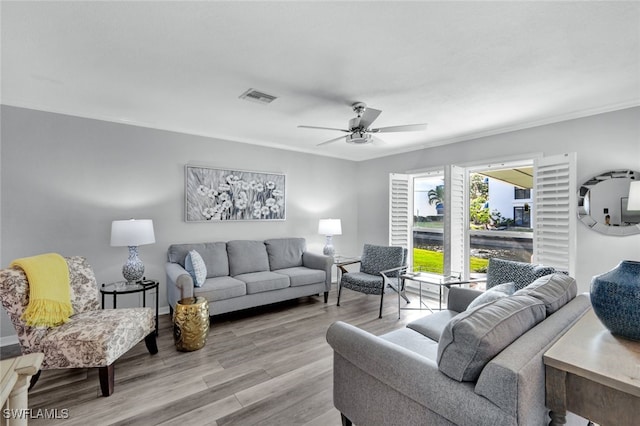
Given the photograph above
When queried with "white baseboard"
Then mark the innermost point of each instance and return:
(8, 340)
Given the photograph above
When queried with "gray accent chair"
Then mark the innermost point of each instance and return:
(380, 269)
(501, 271)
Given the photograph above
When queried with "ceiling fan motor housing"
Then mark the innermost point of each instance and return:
(359, 138)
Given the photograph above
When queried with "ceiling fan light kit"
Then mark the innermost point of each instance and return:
(359, 131)
(359, 138)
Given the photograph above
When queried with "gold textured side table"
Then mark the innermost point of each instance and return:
(191, 323)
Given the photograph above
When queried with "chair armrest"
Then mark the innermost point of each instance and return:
(179, 283)
(343, 264)
(460, 297)
(321, 262)
(400, 269)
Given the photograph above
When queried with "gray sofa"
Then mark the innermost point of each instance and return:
(481, 366)
(242, 274)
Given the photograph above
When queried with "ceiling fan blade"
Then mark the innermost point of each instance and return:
(368, 117)
(403, 128)
(331, 141)
(324, 128)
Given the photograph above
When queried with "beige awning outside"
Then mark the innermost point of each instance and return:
(521, 177)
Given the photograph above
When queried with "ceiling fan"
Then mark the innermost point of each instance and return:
(359, 131)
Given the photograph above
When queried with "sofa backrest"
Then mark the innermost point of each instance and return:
(285, 252)
(246, 256)
(214, 256)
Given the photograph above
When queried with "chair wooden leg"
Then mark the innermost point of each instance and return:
(345, 420)
(339, 293)
(150, 341)
(106, 375)
(326, 296)
(34, 379)
(381, 298)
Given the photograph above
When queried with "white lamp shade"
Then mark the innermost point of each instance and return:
(634, 196)
(132, 232)
(330, 227)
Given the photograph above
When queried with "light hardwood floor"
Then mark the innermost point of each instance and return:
(267, 366)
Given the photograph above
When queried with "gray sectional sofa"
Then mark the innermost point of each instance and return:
(481, 366)
(242, 274)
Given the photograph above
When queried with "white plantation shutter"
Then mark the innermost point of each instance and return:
(400, 211)
(554, 233)
(455, 222)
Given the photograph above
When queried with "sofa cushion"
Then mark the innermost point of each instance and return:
(494, 293)
(213, 254)
(432, 325)
(195, 266)
(520, 273)
(555, 291)
(221, 288)
(474, 337)
(413, 341)
(258, 282)
(285, 252)
(246, 256)
(302, 276)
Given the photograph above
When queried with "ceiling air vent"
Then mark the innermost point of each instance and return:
(257, 96)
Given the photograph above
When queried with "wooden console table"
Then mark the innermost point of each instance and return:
(594, 374)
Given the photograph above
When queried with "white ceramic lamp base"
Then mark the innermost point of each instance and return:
(329, 250)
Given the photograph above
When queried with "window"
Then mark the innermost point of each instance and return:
(522, 193)
(541, 229)
(522, 216)
(428, 222)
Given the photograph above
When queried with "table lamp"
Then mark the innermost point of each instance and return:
(329, 227)
(132, 233)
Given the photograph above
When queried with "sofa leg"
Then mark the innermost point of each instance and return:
(151, 343)
(345, 420)
(34, 379)
(326, 296)
(106, 375)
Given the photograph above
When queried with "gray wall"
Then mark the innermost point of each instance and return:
(64, 179)
(602, 142)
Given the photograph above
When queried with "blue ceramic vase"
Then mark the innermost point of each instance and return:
(615, 297)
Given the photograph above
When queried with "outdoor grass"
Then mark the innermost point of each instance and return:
(433, 261)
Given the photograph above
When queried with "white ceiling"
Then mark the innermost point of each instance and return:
(467, 69)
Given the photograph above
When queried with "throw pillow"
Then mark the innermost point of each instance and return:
(554, 291)
(494, 293)
(194, 265)
(473, 338)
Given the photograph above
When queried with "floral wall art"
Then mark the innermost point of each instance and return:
(218, 195)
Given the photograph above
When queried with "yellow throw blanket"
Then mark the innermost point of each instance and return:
(49, 289)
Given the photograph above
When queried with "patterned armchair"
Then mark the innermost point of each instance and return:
(521, 274)
(380, 268)
(91, 338)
